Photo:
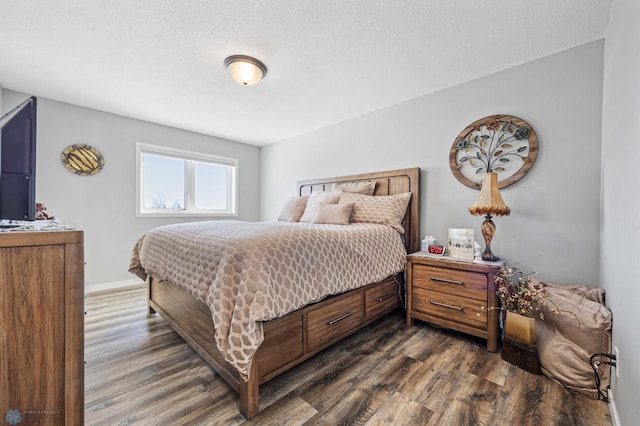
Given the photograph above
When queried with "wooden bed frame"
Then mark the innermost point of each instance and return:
(297, 336)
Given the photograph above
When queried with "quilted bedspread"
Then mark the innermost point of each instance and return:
(248, 272)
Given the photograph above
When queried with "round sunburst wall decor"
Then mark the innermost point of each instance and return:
(504, 144)
(82, 159)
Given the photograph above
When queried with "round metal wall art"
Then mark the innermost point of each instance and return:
(82, 159)
(504, 144)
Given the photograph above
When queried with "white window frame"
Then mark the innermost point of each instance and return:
(191, 157)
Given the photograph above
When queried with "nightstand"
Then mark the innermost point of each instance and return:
(454, 294)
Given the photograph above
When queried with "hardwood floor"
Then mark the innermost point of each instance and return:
(138, 371)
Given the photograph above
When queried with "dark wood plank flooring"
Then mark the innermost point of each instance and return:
(139, 371)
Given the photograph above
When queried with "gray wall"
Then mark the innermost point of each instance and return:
(621, 199)
(104, 204)
(555, 208)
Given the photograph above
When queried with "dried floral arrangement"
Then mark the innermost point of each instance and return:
(519, 295)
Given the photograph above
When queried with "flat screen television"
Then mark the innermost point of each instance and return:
(18, 164)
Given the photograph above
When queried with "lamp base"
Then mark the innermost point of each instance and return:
(488, 229)
(489, 257)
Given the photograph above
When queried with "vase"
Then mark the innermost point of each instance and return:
(520, 328)
(519, 345)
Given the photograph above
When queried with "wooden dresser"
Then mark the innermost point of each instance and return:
(453, 294)
(42, 327)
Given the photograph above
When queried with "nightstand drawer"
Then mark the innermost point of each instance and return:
(450, 307)
(451, 281)
(331, 321)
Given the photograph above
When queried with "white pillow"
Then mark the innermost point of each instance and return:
(314, 201)
(293, 209)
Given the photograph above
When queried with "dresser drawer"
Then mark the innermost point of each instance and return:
(329, 322)
(381, 299)
(451, 281)
(450, 307)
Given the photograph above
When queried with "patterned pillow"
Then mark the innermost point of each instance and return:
(338, 214)
(293, 209)
(366, 188)
(382, 209)
(314, 201)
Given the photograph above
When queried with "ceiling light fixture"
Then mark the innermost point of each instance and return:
(245, 70)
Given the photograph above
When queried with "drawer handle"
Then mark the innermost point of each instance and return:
(347, 315)
(444, 280)
(382, 299)
(444, 305)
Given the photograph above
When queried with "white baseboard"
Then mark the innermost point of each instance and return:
(613, 412)
(93, 288)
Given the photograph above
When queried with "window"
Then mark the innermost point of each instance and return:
(174, 182)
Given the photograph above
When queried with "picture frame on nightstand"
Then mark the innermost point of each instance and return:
(461, 243)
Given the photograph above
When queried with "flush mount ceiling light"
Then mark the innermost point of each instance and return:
(245, 70)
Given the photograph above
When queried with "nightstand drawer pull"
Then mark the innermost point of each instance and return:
(444, 305)
(347, 315)
(444, 280)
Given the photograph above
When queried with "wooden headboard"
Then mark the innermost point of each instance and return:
(387, 183)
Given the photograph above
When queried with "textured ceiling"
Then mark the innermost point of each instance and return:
(328, 60)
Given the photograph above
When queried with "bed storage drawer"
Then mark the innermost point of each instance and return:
(381, 298)
(282, 344)
(333, 320)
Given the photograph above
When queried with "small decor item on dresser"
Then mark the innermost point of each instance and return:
(41, 212)
(436, 249)
(477, 251)
(460, 243)
(428, 240)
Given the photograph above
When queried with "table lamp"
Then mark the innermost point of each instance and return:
(489, 203)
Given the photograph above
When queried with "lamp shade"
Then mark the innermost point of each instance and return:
(489, 201)
(245, 70)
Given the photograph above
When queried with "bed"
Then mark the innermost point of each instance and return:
(267, 348)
